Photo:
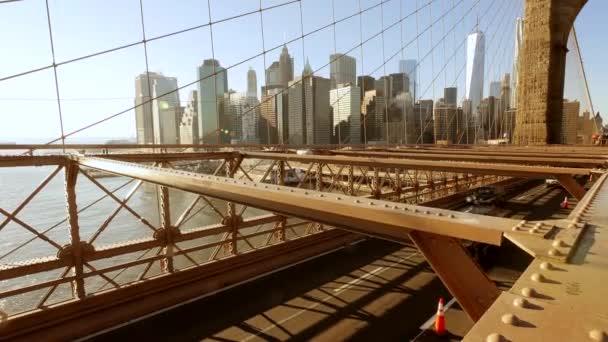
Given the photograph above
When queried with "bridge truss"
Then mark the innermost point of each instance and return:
(266, 220)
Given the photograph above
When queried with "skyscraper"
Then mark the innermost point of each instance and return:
(365, 84)
(309, 111)
(211, 89)
(244, 114)
(157, 121)
(519, 37)
(569, 122)
(410, 68)
(342, 70)
(252, 83)
(285, 67)
(346, 109)
(450, 96)
(476, 47)
(495, 88)
(189, 122)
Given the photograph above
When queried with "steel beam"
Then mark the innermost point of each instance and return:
(519, 160)
(461, 275)
(106, 309)
(523, 171)
(371, 217)
(570, 184)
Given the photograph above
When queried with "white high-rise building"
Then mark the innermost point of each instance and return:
(519, 37)
(410, 68)
(344, 101)
(158, 120)
(476, 48)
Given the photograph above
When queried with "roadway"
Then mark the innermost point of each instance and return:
(374, 290)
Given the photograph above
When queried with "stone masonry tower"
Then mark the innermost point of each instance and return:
(541, 69)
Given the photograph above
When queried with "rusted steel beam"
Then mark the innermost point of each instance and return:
(519, 160)
(107, 309)
(377, 218)
(459, 273)
(21, 160)
(141, 157)
(524, 171)
(571, 185)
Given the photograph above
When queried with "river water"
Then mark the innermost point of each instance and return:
(47, 213)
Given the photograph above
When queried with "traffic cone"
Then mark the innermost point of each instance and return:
(440, 319)
(564, 204)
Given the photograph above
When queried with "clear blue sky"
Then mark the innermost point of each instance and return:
(94, 88)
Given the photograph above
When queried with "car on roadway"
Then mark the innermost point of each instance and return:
(486, 195)
(551, 182)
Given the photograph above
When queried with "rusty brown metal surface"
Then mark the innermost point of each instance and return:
(525, 171)
(461, 275)
(559, 299)
(378, 218)
(572, 186)
(104, 310)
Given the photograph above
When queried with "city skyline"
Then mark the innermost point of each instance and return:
(112, 92)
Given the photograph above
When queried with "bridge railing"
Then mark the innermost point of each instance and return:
(83, 231)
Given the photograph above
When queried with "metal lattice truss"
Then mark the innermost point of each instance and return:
(268, 208)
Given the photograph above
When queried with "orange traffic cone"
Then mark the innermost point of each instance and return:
(440, 319)
(564, 204)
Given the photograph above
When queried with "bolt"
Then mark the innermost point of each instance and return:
(537, 277)
(598, 335)
(510, 319)
(495, 337)
(554, 252)
(528, 292)
(521, 302)
(546, 266)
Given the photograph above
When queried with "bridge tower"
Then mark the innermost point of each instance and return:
(542, 67)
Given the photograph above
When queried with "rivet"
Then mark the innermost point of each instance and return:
(255, 185)
(395, 207)
(427, 212)
(439, 214)
(546, 266)
(521, 302)
(528, 292)
(265, 186)
(371, 203)
(339, 198)
(554, 252)
(415, 210)
(495, 337)
(386, 206)
(533, 230)
(451, 216)
(522, 222)
(510, 319)
(292, 190)
(558, 243)
(515, 228)
(537, 277)
(538, 225)
(305, 192)
(598, 335)
(357, 201)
